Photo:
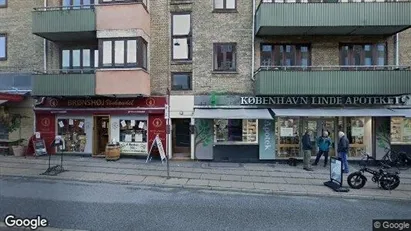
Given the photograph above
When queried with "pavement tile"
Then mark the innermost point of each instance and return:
(317, 189)
(299, 175)
(92, 176)
(190, 175)
(292, 188)
(154, 180)
(175, 174)
(253, 178)
(152, 173)
(275, 187)
(259, 173)
(175, 181)
(279, 174)
(222, 184)
(210, 177)
(72, 175)
(297, 181)
(242, 185)
(231, 178)
(113, 177)
(198, 182)
(273, 179)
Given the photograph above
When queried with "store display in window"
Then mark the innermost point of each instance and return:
(355, 135)
(400, 130)
(235, 130)
(73, 133)
(133, 136)
(287, 132)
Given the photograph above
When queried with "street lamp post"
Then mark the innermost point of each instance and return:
(168, 131)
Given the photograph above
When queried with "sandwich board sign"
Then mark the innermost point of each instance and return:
(157, 142)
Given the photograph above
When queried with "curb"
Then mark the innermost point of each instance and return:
(4, 227)
(222, 189)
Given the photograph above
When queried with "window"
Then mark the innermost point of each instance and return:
(3, 47)
(225, 4)
(131, 52)
(181, 81)
(235, 130)
(78, 59)
(76, 4)
(3, 3)
(225, 57)
(73, 132)
(288, 137)
(400, 130)
(285, 55)
(363, 54)
(181, 36)
(133, 136)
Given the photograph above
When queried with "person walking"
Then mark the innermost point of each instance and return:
(343, 147)
(324, 144)
(306, 141)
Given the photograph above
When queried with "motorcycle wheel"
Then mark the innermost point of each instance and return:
(356, 180)
(390, 182)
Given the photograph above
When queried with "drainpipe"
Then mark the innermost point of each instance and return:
(397, 50)
(252, 44)
(45, 45)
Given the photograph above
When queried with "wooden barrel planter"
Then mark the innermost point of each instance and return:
(112, 152)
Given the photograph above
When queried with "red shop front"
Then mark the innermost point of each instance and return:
(87, 125)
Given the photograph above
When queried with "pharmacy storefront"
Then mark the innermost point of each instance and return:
(240, 127)
(87, 125)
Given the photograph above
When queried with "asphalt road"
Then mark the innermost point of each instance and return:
(111, 207)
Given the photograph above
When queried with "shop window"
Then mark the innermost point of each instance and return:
(4, 133)
(356, 135)
(400, 130)
(121, 53)
(287, 131)
(73, 133)
(235, 130)
(133, 136)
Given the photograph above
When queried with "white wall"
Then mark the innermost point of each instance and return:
(88, 125)
(181, 106)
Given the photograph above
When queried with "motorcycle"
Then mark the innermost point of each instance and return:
(387, 180)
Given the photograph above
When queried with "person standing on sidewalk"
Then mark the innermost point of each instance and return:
(343, 147)
(307, 147)
(324, 143)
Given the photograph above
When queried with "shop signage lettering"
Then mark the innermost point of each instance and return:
(100, 103)
(131, 148)
(267, 135)
(323, 100)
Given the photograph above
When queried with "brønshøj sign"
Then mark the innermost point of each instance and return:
(133, 147)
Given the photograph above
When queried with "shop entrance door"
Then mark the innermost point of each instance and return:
(317, 126)
(181, 138)
(100, 135)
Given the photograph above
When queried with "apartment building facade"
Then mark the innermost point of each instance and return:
(96, 87)
(19, 55)
(318, 66)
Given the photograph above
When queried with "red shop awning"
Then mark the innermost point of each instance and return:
(11, 97)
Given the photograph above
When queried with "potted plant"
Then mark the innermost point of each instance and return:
(12, 122)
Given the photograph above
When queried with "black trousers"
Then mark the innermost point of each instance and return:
(319, 154)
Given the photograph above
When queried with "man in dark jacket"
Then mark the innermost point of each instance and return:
(307, 147)
(343, 147)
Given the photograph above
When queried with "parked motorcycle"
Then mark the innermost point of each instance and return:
(384, 176)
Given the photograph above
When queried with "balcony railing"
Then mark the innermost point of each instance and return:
(327, 1)
(66, 71)
(59, 8)
(334, 68)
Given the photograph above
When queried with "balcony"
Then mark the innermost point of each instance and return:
(123, 82)
(338, 80)
(60, 83)
(332, 17)
(60, 24)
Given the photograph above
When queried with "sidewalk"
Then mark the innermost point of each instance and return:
(251, 178)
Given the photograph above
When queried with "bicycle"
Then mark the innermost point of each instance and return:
(398, 159)
(385, 179)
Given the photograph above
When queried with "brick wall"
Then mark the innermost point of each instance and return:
(207, 28)
(405, 47)
(23, 48)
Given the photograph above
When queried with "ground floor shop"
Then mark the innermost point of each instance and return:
(87, 125)
(232, 130)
